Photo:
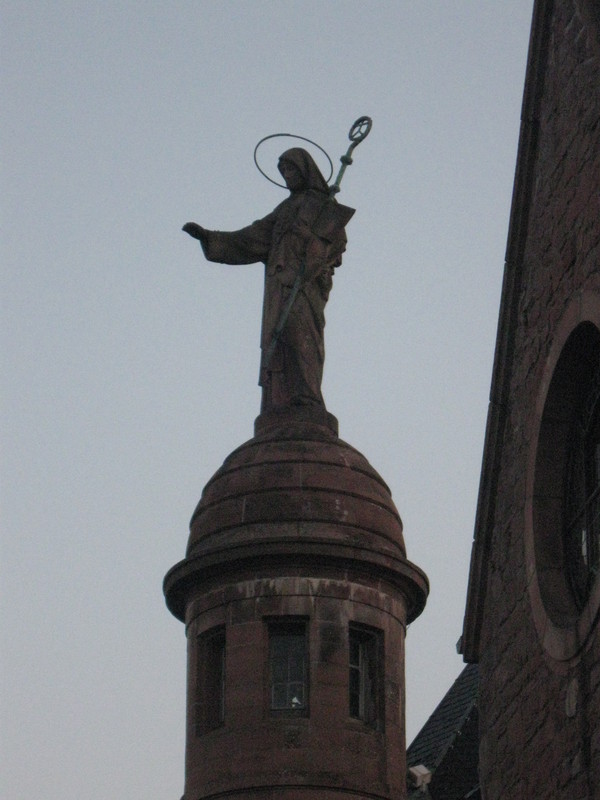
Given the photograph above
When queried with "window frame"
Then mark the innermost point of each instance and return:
(278, 630)
(365, 675)
(211, 671)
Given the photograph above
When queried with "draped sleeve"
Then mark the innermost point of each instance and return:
(246, 246)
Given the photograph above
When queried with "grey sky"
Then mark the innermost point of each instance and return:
(130, 364)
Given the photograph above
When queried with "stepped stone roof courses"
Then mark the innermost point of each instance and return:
(294, 498)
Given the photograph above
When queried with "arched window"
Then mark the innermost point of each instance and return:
(562, 502)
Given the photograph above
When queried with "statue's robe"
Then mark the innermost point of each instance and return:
(303, 236)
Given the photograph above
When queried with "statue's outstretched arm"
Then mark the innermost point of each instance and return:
(246, 246)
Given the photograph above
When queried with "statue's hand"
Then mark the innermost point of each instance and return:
(195, 230)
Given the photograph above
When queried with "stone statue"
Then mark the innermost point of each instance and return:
(300, 243)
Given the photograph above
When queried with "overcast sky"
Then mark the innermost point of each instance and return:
(130, 364)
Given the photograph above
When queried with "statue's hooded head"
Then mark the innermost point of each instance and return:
(300, 171)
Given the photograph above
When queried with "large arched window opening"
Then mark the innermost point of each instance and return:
(582, 495)
(566, 497)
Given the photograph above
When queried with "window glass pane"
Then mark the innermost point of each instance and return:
(278, 647)
(297, 695)
(210, 686)
(354, 651)
(296, 662)
(363, 675)
(279, 695)
(288, 666)
(278, 668)
(354, 693)
(354, 677)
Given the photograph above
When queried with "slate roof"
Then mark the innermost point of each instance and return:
(448, 742)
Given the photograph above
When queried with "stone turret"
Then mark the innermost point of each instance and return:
(296, 592)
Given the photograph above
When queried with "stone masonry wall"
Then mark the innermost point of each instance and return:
(540, 717)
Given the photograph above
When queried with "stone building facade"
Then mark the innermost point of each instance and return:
(533, 607)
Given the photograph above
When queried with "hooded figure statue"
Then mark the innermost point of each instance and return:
(300, 243)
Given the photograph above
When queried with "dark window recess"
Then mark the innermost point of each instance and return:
(210, 705)
(582, 511)
(566, 496)
(288, 667)
(364, 675)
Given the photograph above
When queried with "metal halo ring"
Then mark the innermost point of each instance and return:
(293, 136)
